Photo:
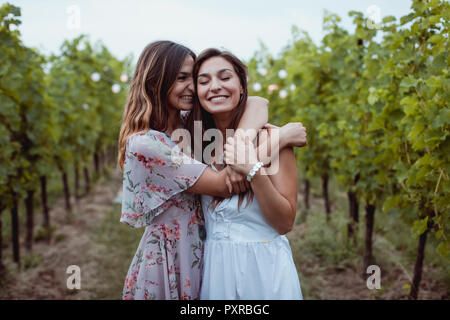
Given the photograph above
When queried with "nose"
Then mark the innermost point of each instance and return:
(191, 84)
(215, 85)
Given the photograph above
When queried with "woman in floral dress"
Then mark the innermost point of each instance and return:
(168, 261)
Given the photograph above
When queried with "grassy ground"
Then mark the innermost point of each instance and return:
(329, 266)
(117, 244)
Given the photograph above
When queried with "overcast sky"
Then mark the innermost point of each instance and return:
(237, 25)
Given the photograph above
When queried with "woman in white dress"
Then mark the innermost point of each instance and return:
(247, 255)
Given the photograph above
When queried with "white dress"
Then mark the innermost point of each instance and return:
(245, 258)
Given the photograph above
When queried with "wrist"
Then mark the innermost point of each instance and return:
(258, 175)
(283, 138)
(255, 169)
(283, 141)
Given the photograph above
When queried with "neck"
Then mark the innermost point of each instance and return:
(173, 121)
(222, 122)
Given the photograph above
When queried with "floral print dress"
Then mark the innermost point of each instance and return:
(168, 261)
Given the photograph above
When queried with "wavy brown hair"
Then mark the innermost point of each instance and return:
(199, 113)
(146, 106)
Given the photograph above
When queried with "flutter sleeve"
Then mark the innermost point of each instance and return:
(154, 171)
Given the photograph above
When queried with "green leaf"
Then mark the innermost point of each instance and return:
(410, 105)
(416, 130)
(409, 82)
(420, 226)
(391, 202)
(443, 249)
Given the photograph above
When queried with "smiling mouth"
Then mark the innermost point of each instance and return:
(218, 98)
(186, 98)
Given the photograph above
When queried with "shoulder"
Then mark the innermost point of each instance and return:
(148, 139)
(257, 99)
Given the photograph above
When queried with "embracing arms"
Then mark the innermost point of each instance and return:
(218, 183)
(276, 193)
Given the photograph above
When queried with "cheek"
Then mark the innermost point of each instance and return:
(177, 89)
(173, 98)
(201, 94)
(236, 89)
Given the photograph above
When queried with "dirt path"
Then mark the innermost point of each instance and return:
(71, 244)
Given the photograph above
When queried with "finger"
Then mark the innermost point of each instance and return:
(263, 135)
(242, 186)
(228, 154)
(225, 152)
(239, 177)
(236, 188)
(230, 158)
(270, 126)
(229, 149)
(228, 183)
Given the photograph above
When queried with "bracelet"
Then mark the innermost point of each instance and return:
(255, 169)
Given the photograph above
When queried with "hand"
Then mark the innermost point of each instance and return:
(238, 181)
(237, 149)
(294, 133)
(270, 126)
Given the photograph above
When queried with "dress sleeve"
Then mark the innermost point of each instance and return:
(154, 171)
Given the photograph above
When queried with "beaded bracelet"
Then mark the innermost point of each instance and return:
(255, 169)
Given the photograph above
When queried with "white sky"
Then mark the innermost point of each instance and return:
(128, 26)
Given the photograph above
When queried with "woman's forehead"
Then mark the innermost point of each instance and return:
(188, 65)
(214, 65)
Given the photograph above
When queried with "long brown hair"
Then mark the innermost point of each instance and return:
(146, 106)
(198, 113)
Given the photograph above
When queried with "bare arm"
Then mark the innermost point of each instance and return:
(255, 116)
(218, 183)
(272, 141)
(212, 183)
(276, 194)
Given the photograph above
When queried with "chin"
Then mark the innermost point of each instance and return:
(185, 106)
(219, 109)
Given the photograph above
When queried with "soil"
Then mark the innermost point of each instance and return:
(71, 244)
